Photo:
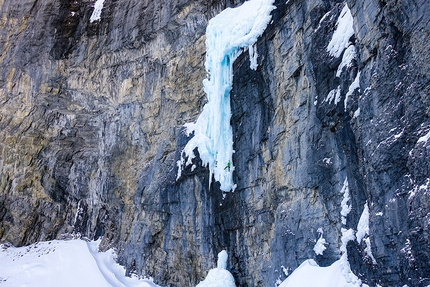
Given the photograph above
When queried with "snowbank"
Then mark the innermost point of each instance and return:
(309, 274)
(63, 263)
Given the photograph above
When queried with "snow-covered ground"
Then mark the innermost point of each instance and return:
(309, 274)
(78, 263)
(63, 263)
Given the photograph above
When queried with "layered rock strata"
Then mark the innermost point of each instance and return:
(92, 121)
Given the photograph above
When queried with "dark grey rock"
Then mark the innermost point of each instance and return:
(91, 119)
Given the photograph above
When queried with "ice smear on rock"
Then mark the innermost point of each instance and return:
(347, 58)
(333, 94)
(343, 32)
(363, 232)
(354, 85)
(344, 204)
(220, 276)
(363, 224)
(98, 6)
(227, 34)
(425, 138)
(320, 245)
(253, 55)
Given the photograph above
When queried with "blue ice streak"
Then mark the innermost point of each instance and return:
(227, 35)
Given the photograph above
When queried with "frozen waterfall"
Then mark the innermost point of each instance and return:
(227, 35)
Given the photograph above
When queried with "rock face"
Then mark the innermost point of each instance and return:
(92, 121)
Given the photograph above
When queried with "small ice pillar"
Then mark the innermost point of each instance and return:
(222, 260)
(220, 276)
(227, 34)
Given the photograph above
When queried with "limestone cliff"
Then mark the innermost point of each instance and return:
(91, 127)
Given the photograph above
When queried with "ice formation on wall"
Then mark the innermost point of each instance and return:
(227, 34)
(98, 6)
(320, 244)
(220, 276)
(363, 232)
(344, 31)
(344, 204)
